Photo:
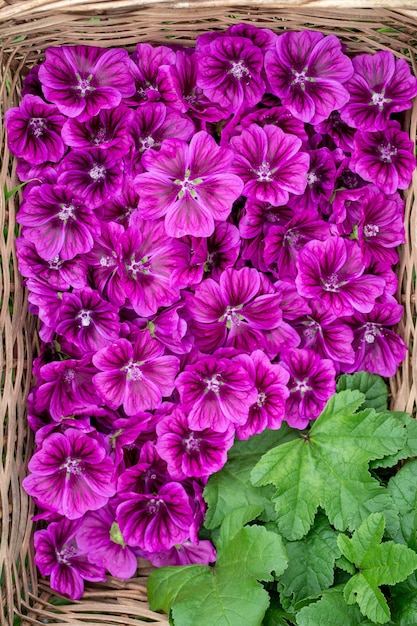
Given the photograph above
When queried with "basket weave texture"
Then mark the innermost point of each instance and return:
(27, 28)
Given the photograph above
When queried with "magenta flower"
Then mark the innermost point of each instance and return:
(189, 452)
(31, 83)
(88, 320)
(332, 271)
(122, 207)
(263, 38)
(381, 85)
(378, 349)
(229, 72)
(270, 381)
(148, 475)
(34, 131)
(312, 382)
(216, 393)
(155, 522)
(187, 553)
(341, 133)
(82, 80)
(94, 175)
(321, 178)
(71, 474)
(270, 164)
(124, 433)
(105, 263)
(136, 377)
(107, 131)
(58, 555)
(306, 70)
(99, 536)
(57, 222)
(384, 158)
(278, 116)
(189, 185)
(234, 311)
(170, 329)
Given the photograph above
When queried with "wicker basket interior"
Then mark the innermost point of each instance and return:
(27, 28)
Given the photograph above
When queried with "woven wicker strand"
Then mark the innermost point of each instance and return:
(27, 28)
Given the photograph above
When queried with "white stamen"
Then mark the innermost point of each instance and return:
(147, 143)
(239, 70)
(107, 261)
(133, 371)
(97, 172)
(312, 178)
(371, 331)
(213, 383)
(331, 283)
(37, 126)
(85, 317)
(191, 444)
(378, 99)
(55, 263)
(72, 466)
(83, 85)
(261, 399)
(69, 376)
(264, 173)
(66, 212)
(370, 230)
(387, 151)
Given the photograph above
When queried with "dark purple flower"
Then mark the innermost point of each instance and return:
(58, 555)
(332, 270)
(187, 553)
(341, 133)
(190, 452)
(94, 175)
(136, 377)
(229, 72)
(104, 260)
(148, 475)
(321, 178)
(378, 349)
(71, 474)
(34, 131)
(82, 80)
(216, 393)
(57, 222)
(46, 302)
(270, 164)
(170, 329)
(347, 209)
(381, 85)
(312, 382)
(122, 207)
(306, 70)
(190, 185)
(99, 536)
(88, 320)
(31, 83)
(276, 116)
(263, 38)
(125, 432)
(384, 158)
(155, 522)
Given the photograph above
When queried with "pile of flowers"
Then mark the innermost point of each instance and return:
(208, 238)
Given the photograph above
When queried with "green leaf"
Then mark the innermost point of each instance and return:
(410, 447)
(403, 489)
(230, 488)
(372, 386)
(235, 520)
(9, 193)
(168, 585)
(311, 562)
(378, 564)
(331, 610)
(329, 468)
(404, 602)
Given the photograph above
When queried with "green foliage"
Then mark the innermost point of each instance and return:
(403, 489)
(372, 386)
(331, 610)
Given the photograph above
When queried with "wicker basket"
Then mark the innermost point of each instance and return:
(27, 28)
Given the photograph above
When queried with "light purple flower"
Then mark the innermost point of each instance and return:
(229, 72)
(216, 393)
(82, 80)
(99, 536)
(88, 320)
(190, 452)
(155, 522)
(187, 553)
(306, 70)
(57, 555)
(332, 271)
(270, 164)
(71, 474)
(57, 222)
(34, 131)
(384, 158)
(378, 349)
(136, 377)
(312, 382)
(94, 175)
(190, 185)
(381, 85)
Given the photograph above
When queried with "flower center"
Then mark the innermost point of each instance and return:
(238, 70)
(85, 317)
(66, 212)
(379, 99)
(311, 330)
(72, 466)
(83, 85)
(133, 371)
(153, 506)
(188, 185)
(331, 283)
(312, 178)
(69, 376)
(107, 261)
(213, 384)
(370, 230)
(37, 126)
(261, 399)
(387, 151)
(99, 137)
(142, 266)
(301, 386)
(147, 143)
(191, 444)
(299, 77)
(65, 554)
(97, 172)
(291, 238)
(191, 98)
(55, 263)
(371, 331)
(264, 173)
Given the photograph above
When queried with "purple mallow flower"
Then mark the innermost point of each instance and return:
(82, 80)
(190, 185)
(332, 271)
(270, 164)
(34, 131)
(136, 377)
(306, 70)
(71, 474)
(381, 85)
(187, 553)
(384, 158)
(58, 555)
